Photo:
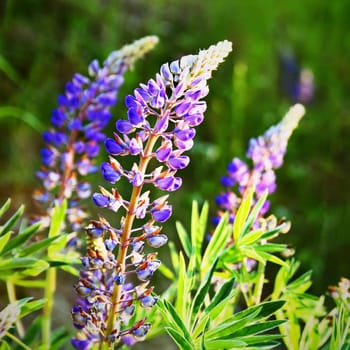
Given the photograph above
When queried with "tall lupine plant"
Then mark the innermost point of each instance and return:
(266, 153)
(74, 139)
(73, 142)
(161, 118)
(255, 183)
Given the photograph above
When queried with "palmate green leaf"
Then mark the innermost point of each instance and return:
(250, 252)
(202, 344)
(283, 276)
(185, 241)
(250, 238)
(3, 240)
(179, 339)
(272, 232)
(11, 221)
(198, 227)
(221, 307)
(37, 246)
(301, 284)
(58, 215)
(203, 290)
(242, 215)
(30, 266)
(173, 319)
(242, 318)
(232, 324)
(21, 238)
(340, 338)
(5, 207)
(248, 222)
(182, 284)
(23, 301)
(28, 283)
(256, 328)
(217, 244)
(57, 246)
(263, 340)
(225, 344)
(63, 260)
(200, 231)
(220, 302)
(224, 292)
(272, 258)
(201, 327)
(31, 306)
(261, 255)
(70, 269)
(311, 337)
(271, 247)
(194, 224)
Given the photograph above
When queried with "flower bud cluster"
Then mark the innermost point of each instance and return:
(159, 128)
(266, 153)
(74, 139)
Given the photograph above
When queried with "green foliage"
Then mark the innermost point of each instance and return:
(307, 327)
(203, 312)
(18, 265)
(202, 308)
(21, 258)
(313, 185)
(16, 259)
(57, 253)
(340, 339)
(42, 44)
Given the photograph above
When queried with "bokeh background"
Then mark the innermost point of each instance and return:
(277, 45)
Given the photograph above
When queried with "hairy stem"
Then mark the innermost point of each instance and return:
(125, 236)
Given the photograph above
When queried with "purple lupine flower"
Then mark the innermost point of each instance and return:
(295, 82)
(158, 129)
(266, 153)
(74, 139)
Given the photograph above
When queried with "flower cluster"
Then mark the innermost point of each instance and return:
(159, 128)
(266, 153)
(74, 139)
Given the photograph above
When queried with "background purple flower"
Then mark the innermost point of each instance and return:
(266, 153)
(74, 139)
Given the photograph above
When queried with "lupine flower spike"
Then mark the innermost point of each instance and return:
(74, 139)
(266, 153)
(160, 125)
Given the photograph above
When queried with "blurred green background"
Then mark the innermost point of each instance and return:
(42, 44)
